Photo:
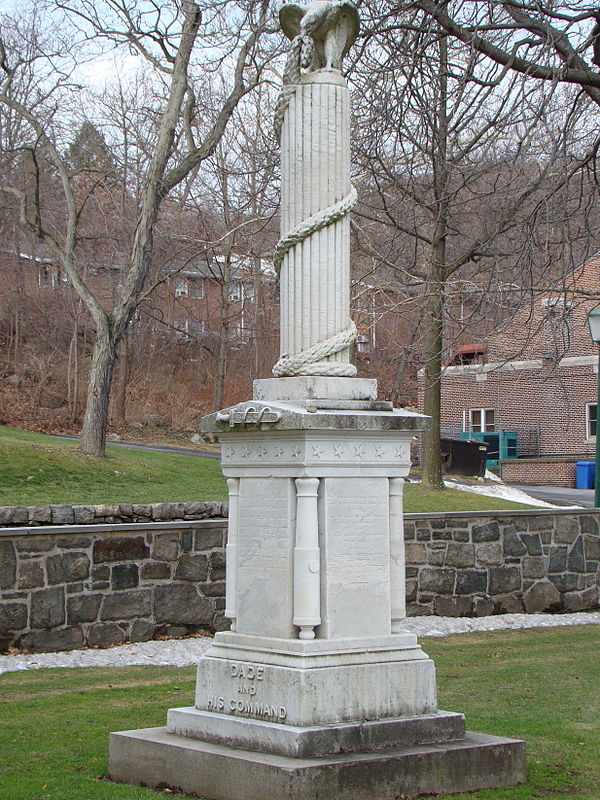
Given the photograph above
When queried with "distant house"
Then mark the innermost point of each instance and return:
(531, 386)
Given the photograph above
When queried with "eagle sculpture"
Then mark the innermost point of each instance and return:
(332, 27)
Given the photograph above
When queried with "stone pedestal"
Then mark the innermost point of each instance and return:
(317, 691)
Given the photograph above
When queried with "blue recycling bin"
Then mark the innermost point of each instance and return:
(586, 474)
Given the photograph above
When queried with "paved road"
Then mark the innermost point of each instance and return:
(559, 494)
(182, 451)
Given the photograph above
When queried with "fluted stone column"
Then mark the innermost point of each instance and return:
(315, 165)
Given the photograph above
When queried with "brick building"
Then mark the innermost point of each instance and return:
(535, 376)
(176, 334)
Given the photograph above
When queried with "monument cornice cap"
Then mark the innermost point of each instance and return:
(323, 76)
(258, 416)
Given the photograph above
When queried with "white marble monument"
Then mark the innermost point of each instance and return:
(317, 691)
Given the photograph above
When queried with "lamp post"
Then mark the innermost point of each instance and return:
(594, 323)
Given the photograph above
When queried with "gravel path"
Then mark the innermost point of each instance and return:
(186, 652)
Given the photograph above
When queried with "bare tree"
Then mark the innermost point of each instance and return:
(453, 159)
(554, 42)
(177, 41)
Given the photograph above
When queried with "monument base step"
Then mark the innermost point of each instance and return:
(159, 759)
(317, 740)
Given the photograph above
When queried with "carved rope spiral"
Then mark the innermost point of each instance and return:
(310, 361)
(310, 225)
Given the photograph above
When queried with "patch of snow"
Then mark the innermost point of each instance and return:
(503, 492)
(186, 652)
(491, 476)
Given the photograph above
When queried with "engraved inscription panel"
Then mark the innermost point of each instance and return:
(265, 549)
(242, 691)
(355, 525)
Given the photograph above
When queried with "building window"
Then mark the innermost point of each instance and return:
(468, 354)
(196, 286)
(234, 292)
(181, 326)
(181, 287)
(235, 331)
(248, 287)
(558, 326)
(590, 420)
(43, 277)
(481, 420)
(197, 326)
(362, 344)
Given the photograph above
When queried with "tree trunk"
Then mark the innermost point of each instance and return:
(93, 434)
(399, 375)
(121, 395)
(219, 397)
(432, 452)
(76, 376)
(260, 340)
(432, 457)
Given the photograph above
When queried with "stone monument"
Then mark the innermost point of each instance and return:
(316, 691)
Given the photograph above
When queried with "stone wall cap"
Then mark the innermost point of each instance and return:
(513, 512)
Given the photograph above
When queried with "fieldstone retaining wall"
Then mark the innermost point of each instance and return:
(99, 585)
(69, 586)
(480, 564)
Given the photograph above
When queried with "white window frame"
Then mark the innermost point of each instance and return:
(363, 345)
(181, 287)
(589, 422)
(181, 326)
(235, 331)
(248, 291)
(196, 288)
(44, 277)
(234, 292)
(483, 426)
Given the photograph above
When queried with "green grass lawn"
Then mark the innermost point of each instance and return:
(418, 500)
(540, 686)
(36, 469)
